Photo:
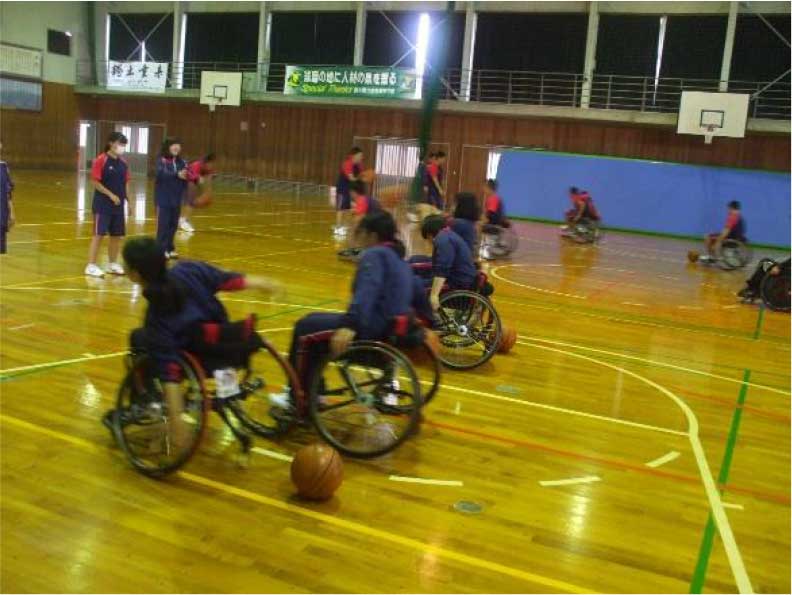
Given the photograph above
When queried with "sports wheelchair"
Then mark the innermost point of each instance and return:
(585, 231)
(365, 402)
(498, 241)
(466, 322)
(731, 254)
(773, 290)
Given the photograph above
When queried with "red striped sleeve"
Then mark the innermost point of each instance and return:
(97, 169)
(234, 284)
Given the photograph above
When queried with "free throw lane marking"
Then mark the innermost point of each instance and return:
(666, 458)
(434, 482)
(570, 481)
(351, 526)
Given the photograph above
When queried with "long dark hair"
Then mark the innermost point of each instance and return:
(166, 145)
(145, 257)
(380, 223)
(467, 207)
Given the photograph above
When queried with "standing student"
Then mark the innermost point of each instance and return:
(350, 172)
(7, 217)
(110, 177)
(199, 177)
(435, 174)
(169, 188)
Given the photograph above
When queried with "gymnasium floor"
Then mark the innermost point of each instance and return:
(639, 400)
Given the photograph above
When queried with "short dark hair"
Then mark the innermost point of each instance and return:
(380, 223)
(117, 137)
(355, 151)
(357, 186)
(210, 157)
(573, 190)
(492, 183)
(467, 206)
(167, 144)
(735, 204)
(432, 225)
(440, 154)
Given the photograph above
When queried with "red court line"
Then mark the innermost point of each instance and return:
(773, 497)
(730, 404)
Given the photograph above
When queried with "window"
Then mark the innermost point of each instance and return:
(18, 94)
(493, 161)
(59, 42)
(84, 126)
(142, 140)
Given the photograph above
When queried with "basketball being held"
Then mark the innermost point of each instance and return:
(368, 176)
(316, 471)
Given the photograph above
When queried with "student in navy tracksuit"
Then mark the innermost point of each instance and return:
(452, 261)
(350, 171)
(169, 188)
(7, 217)
(110, 177)
(466, 217)
(178, 300)
(381, 291)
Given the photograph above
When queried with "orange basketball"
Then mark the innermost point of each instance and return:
(368, 176)
(693, 256)
(203, 201)
(508, 339)
(316, 471)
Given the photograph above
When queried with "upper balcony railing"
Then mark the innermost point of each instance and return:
(606, 91)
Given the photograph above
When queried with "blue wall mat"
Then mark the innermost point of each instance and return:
(647, 195)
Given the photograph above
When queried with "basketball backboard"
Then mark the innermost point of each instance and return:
(713, 114)
(221, 88)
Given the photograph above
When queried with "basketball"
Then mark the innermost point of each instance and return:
(508, 339)
(204, 200)
(316, 471)
(693, 256)
(368, 176)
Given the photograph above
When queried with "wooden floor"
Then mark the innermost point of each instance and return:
(648, 399)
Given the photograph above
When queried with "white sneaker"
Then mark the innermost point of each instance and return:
(184, 225)
(115, 269)
(174, 255)
(93, 270)
(281, 400)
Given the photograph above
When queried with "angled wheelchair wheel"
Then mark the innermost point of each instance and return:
(427, 366)
(469, 329)
(584, 233)
(504, 244)
(775, 292)
(144, 426)
(366, 401)
(733, 254)
(267, 372)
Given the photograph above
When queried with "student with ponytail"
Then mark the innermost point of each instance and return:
(179, 299)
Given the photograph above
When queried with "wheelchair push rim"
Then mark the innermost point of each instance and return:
(469, 330)
(366, 401)
(733, 255)
(775, 292)
(142, 423)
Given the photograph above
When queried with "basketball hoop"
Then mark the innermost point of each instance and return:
(709, 133)
(214, 101)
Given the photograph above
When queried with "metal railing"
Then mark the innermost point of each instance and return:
(605, 91)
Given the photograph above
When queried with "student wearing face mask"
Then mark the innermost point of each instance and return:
(169, 188)
(110, 177)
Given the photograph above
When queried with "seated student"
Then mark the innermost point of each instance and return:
(452, 261)
(583, 208)
(179, 300)
(734, 229)
(466, 217)
(381, 291)
(765, 267)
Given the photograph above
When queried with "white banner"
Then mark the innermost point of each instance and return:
(149, 77)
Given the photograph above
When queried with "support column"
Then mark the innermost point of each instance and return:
(468, 51)
(728, 47)
(360, 33)
(263, 54)
(590, 62)
(101, 42)
(177, 61)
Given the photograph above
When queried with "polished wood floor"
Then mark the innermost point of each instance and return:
(639, 400)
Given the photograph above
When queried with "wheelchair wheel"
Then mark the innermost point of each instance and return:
(584, 233)
(775, 292)
(142, 423)
(469, 329)
(427, 367)
(505, 242)
(366, 401)
(733, 255)
(267, 372)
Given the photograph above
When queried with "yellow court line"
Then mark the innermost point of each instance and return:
(351, 526)
(733, 554)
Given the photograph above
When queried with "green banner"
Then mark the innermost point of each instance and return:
(350, 81)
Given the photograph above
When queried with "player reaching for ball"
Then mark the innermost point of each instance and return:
(199, 188)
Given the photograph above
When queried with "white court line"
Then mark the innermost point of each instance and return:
(633, 304)
(690, 307)
(273, 454)
(666, 458)
(655, 363)
(733, 554)
(570, 481)
(62, 362)
(21, 326)
(734, 506)
(434, 482)
(531, 287)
